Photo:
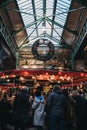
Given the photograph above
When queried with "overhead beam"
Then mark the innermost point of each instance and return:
(53, 29)
(46, 35)
(57, 41)
(34, 12)
(61, 26)
(35, 28)
(62, 41)
(19, 11)
(72, 10)
(3, 3)
(44, 12)
(54, 12)
(44, 7)
(25, 40)
(52, 38)
(60, 36)
(27, 26)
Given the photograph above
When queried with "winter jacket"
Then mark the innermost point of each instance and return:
(21, 103)
(38, 107)
(55, 104)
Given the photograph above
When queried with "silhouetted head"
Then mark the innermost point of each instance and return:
(65, 92)
(56, 88)
(25, 89)
(38, 92)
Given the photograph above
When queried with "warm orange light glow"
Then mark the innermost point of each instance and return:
(24, 73)
(82, 74)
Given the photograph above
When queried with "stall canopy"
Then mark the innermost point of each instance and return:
(77, 77)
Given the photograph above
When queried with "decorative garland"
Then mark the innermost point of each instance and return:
(50, 53)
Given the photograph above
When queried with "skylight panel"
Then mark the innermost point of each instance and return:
(61, 15)
(60, 9)
(27, 18)
(65, 1)
(63, 4)
(23, 7)
(34, 13)
(38, 6)
(21, 1)
(61, 22)
(49, 13)
(38, 1)
(49, 4)
(28, 21)
(39, 14)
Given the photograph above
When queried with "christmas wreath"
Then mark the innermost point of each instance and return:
(46, 43)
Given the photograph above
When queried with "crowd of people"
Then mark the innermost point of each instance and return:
(58, 109)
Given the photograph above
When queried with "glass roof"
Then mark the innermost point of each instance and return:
(44, 18)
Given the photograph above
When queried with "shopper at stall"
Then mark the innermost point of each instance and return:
(38, 107)
(55, 106)
(21, 108)
(80, 110)
(69, 113)
(5, 108)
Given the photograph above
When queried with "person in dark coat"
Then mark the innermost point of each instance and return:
(80, 111)
(69, 114)
(5, 108)
(21, 108)
(55, 106)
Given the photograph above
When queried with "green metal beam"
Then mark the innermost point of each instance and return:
(44, 7)
(34, 12)
(57, 24)
(82, 2)
(53, 17)
(35, 28)
(27, 26)
(59, 36)
(44, 12)
(46, 36)
(63, 43)
(52, 38)
(53, 29)
(72, 10)
(19, 11)
(57, 41)
(25, 40)
(3, 3)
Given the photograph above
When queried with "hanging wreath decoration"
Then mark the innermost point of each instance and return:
(46, 43)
